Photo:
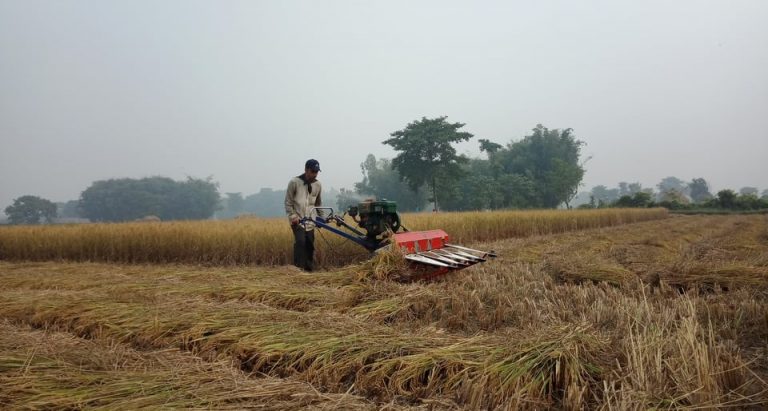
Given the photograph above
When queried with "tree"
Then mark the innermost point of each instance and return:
(129, 199)
(764, 194)
(623, 189)
(489, 146)
(232, 206)
(381, 181)
(669, 184)
(476, 190)
(604, 195)
(346, 198)
(673, 196)
(30, 209)
(748, 190)
(699, 189)
(638, 199)
(426, 153)
(550, 160)
(68, 209)
(748, 201)
(629, 189)
(726, 199)
(564, 180)
(267, 203)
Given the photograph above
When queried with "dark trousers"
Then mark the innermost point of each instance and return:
(303, 247)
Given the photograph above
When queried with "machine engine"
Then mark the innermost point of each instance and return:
(376, 217)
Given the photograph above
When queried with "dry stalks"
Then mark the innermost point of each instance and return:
(508, 334)
(258, 241)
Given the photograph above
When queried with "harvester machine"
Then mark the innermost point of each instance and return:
(378, 226)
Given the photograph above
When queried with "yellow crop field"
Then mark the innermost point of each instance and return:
(269, 241)
(660, 314)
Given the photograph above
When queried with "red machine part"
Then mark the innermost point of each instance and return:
(434, 256)
(412, 242)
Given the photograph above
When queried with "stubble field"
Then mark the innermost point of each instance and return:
(669, 313)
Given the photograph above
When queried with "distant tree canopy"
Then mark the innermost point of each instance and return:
(426, 154)
(68, 209)
(674, 197)
(549, 159)
(382, 181)
(699, 189)
(30, 210)
(672, 187)
(129, 199)
(540, 171)
(231, 206)
(604, 195)
(267, 203)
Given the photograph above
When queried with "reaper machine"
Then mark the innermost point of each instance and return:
(379, 226)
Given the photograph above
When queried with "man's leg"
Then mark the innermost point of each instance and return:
(299, 245)
(309, 251)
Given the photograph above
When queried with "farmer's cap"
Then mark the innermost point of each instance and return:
(312, 164)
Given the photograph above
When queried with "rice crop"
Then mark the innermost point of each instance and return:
(258, 241)
(548, 324)
(53, 370)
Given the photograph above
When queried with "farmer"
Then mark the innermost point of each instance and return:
(302, 194)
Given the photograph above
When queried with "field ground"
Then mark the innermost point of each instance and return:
(670, 313)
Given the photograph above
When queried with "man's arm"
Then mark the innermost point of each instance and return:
(290, 209)
(319, 201)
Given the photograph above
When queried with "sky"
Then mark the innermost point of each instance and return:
(246, 91)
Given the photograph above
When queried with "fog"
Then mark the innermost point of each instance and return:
(246, 91)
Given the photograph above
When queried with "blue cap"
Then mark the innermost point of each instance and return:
(312, 164)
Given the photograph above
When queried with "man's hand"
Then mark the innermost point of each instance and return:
(294, 220)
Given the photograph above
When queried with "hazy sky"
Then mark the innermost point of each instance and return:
(246, 91)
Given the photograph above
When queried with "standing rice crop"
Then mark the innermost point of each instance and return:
(259, 241)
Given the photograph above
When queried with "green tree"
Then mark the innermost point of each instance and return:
(672, 184)
(68, 209)
(699, 189)
(382, 181)
(564, 180)
(345, 199)
(550, 160)
(638, 199)
(629, 189)
(726, 199)
(267, 203)
(604, 195)
(519, 191)
(748, 201)
(30, 209)
(671, 195)
(489, 146)
(129, 199)
(426, 154)
(476, 190)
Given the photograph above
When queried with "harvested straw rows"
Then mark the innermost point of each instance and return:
(658, 314)
(268, 241)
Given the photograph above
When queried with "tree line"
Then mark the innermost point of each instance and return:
(543, 169)
(125, 199)
(676, 194)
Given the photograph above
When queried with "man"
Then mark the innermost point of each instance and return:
(302, 194)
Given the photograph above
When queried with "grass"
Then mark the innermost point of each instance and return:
(605, 318)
